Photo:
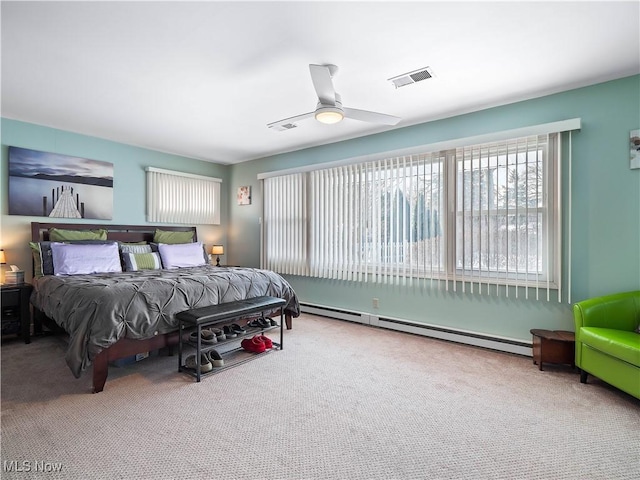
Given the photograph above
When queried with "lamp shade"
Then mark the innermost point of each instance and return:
(217, 250)
(3, 259)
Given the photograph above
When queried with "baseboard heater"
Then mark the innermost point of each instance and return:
(453, 335)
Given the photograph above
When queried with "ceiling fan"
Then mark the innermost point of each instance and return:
(329, 108)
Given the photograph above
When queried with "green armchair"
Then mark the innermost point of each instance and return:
(607, 340)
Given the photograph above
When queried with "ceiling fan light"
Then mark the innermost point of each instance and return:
(329, 115)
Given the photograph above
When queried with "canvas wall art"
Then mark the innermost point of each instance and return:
(45, 184)
(634, 147)
(244, 195)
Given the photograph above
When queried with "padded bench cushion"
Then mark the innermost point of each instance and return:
(230, 310)
(617, 343)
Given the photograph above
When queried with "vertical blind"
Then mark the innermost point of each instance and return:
(376, 221)
(507, 225)
(285, 210)
(481, 218)
(176, 197)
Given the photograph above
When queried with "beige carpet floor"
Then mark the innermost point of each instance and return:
(341, 401)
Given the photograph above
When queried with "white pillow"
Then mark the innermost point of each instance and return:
(181, 254)
(75, 259)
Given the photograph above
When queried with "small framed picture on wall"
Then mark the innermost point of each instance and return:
(244, 195)
(634, 147)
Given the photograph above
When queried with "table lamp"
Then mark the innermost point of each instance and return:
(217, 250)
(3, 261)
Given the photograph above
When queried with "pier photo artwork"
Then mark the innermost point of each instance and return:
(59, 186)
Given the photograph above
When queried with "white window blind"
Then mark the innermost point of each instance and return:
(376, 221)
(481, 218)
(176, 197)
(285, 224)
(506, 226)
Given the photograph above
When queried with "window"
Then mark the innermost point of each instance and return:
(475, 217)
(176, 197)
(506, 230)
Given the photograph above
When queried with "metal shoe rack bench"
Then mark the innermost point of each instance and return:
(222, 314)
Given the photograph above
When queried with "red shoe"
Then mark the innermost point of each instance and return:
(267, 341)
(255, 344)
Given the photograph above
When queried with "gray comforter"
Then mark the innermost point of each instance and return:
(98, 310)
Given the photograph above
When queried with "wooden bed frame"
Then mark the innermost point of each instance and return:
(126, 346)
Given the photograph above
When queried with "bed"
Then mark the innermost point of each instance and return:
(109, 316)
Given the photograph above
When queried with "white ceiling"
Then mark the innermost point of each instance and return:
(203, 79)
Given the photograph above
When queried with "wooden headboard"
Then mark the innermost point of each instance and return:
(122, 233)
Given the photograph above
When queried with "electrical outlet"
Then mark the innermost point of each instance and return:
(375, 303)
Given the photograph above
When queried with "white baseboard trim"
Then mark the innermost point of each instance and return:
(466, 337)
(339, 314)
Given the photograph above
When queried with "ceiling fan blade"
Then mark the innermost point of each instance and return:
(321, 78)
(289, 123)
(372, 117)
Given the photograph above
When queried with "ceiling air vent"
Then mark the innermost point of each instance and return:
(280, 127)
(411, 77)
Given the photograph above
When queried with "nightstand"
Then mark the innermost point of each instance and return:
(16, 314)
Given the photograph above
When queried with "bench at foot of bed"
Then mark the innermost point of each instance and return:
(126, 347)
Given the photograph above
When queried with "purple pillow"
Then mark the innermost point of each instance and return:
(181, 254)
(74, 259)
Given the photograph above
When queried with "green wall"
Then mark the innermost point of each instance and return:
(605, 206)
(129, 191)
(605, 247)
